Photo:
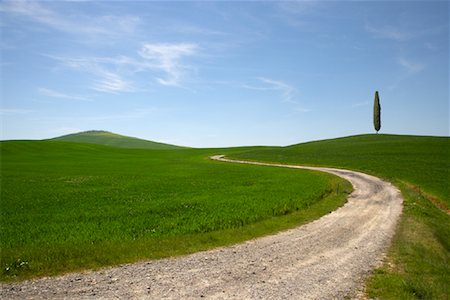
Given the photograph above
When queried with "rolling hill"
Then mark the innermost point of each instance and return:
(112, 139)
(422, 161)
(417, 264)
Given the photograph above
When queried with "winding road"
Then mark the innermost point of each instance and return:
(326, 259)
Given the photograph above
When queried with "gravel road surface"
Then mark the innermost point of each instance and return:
(326, 259)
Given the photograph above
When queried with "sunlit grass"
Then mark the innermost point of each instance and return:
(69, 206)
(418, 264)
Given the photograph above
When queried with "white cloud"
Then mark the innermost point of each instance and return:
(167, 58)
(192, 29)
(134, 114)
(410, 66)
(293, 12)
(14, 111)
(258, 88)
(110, 71)
(360, 104)
(111, 74)
(55, 94)
(30, 9)
(404, 32)
(389, 32)
(286, 90)
(297, 7)
(71, 23)
(106, 80)
(302, 110)
(112, 83)
(89, 120)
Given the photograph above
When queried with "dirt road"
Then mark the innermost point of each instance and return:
(325, 259)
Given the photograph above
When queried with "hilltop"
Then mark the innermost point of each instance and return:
(107, 138)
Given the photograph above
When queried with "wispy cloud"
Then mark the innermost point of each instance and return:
(110, 74)
(196, 30)
(113, 74)
(134, 114)
(288, 93)
(112, 83)
(56, 94)
(30, 9)
(360, 104)
(293, 12)
(297, 7)
(403, 32)
(410, 66)
(106, 80)
(286, 90)
(99, 118)
(84, 24)
(14, 111)
(167, 58)
(302, 109)
(389, 32)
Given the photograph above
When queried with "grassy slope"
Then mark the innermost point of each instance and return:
(418, 264)
(69, 206)
(421, 161)
(112, 139)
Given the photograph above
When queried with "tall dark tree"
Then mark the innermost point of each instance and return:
(377, 113)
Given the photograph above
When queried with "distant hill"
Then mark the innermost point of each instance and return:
(112, 139)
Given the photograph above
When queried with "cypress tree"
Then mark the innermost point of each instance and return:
(377, 113)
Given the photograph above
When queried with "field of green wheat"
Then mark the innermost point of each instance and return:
(69, 206)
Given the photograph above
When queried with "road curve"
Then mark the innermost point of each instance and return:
(326, 259)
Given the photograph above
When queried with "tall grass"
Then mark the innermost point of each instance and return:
(417, 266)
(69, 206)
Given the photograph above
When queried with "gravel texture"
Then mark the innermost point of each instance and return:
(326, 259)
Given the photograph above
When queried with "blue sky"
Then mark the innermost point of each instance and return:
(212, 74)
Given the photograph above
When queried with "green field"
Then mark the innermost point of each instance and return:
(418, 264)
(70, 206)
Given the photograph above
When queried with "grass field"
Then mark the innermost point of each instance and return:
(71, 206)
(418, 264)
(112, 139)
